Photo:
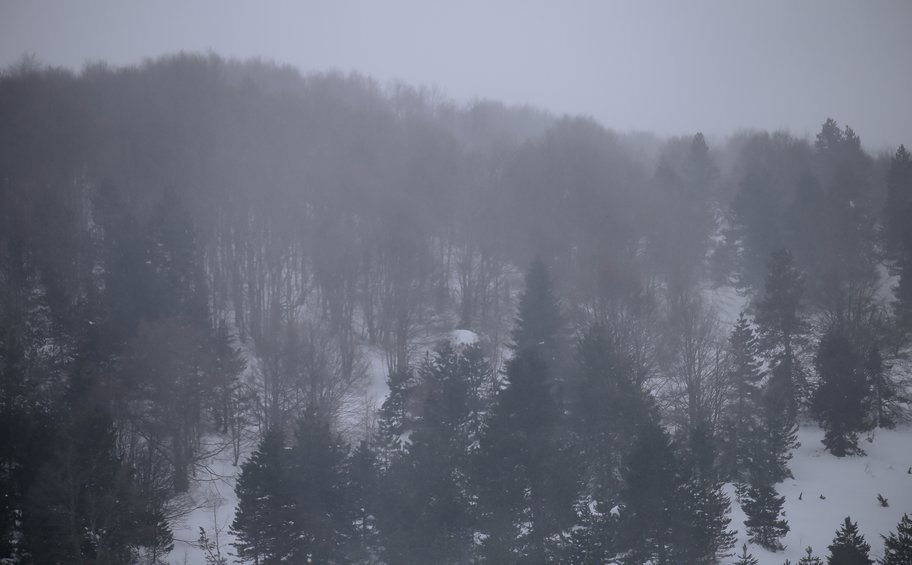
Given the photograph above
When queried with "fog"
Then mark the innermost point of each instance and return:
(668, 67)
(351, 284)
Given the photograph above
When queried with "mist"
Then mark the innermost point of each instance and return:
(462, 284)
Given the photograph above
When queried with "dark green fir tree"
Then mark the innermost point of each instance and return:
(809, 558)
(898, 544)
(839, 403)
(746, 558)
(765, 522)
(263, 521)
(525, 464)
(849, 546)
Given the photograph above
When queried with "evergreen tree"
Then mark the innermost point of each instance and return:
(746, 558)
(524, 463)
(839, 402)
(885, 399)
(903, 305)
(363, 473)
(898, 205)
(85, 506)
(809, 558)
(155, 534)
(706, 508)
(849, 547)
(765, 522)
(322, 520)
(539, 325)
(742, 419)
(425, 514)
(606, 408)
(263, 522)
(396, 419)
(771, 448)
(782, 327)
(654, 520)
(898, 545)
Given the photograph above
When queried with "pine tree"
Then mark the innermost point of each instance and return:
(363, 473)
(525, 461)
(396, 419)
(706, 508)
(155, 534)
(539, 323)
(765, 522)
(425, 514)
(654, 520)
(606, 407)
(746, 558)
(898, 205)
(849, 547)
(809, 558)
(898, 545)
(263, 522)
(885, 399)
(742, 419)
(902, 307)
(840, 401)
(322, 520)
(782, 327)
(771, 448)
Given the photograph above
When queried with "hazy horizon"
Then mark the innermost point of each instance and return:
(663, 67)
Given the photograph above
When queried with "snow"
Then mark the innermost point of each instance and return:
(728, 303)
(213, 505)
(463, 337)
(849, 485)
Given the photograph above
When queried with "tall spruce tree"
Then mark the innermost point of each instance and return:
(707, 509)
(765, 522)
(607, 409)
(839, 402)
(363, 474)
(782, 327)
(898, 206)
(654, 518)
(849, 546)
(426, 511)
(524, 460)
(743, 414)
(263, 521)
(322, 517)
(898, 544)
(885, 398)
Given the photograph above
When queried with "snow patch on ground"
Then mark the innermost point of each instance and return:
(849, 487)
(727, 301)
(214, 503)
(463, 337)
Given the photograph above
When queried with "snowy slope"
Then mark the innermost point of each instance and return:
(849, 485)
(213, 509)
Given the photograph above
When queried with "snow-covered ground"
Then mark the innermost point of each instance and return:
(214, 503)
(832, 488)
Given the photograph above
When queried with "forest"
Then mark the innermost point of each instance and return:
(204, 256)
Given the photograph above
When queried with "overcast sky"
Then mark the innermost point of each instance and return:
(672, 67)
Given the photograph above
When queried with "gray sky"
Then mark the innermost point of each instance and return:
(672, 67)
